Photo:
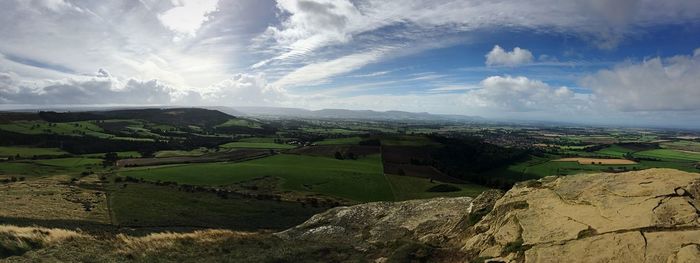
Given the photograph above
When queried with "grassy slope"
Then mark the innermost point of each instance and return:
(359, 180)
(407, 187)
(151, 205)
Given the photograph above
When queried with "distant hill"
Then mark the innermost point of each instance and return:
(172, 116)
(346, 114)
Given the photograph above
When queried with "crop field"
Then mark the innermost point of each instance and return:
(359, 180)
(667, 154)
(26, 152)
(692, 146)
(256, 145)
(357, 151)
(340, 141)
(587, 161)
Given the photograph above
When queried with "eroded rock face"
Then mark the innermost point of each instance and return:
(642, 216)
(426, 221)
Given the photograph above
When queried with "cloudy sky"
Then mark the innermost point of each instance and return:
(632, 62)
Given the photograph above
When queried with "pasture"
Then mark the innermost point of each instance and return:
(408, 187)
(340, 141)
(26, 152)
(587, 161)
(359, 180)
(256, 145)
(147, 205)
(667, 154)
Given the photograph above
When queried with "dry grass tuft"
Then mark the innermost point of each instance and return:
(18, 240)
(159, 241)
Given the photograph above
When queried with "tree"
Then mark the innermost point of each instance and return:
(338, 155)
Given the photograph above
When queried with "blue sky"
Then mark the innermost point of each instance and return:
(631, 62)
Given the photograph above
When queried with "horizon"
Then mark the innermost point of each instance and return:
(624, 63)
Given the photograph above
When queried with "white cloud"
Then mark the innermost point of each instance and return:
(657, 84)
(506, 93)
(320, 71)
(245, 90)
(188, 15)
(98, 89)
(500, 57)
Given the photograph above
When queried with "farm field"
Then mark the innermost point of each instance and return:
(683, 145)
(26, 152)
(666, 154)
(256, 145)
(340, 141)
(586, 161)
(407, 188)
(359, 180)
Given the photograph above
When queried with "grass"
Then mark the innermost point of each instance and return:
(340, 141)
(175, 153)
(151, 205)
(30, 151)
(240, 123)
(256, 145)
(34, 168)
(407, 187)
(667, 154)
(80, 128)
(127, 154)
(359, 180)
(407, 140)
(614, 151)
(682, 145)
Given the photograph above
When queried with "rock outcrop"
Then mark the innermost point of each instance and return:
(641, 216)
(431, 221)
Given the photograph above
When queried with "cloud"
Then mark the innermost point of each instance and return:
(506, 93)
(500, 57)
(99, 89)
(188, 15)
(310, 25)
(657, 84)
(244, 90)
(320, 71)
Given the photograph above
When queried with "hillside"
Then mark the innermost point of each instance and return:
(641, 216)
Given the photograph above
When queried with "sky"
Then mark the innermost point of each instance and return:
(622, 62)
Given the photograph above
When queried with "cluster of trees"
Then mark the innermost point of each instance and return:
(350, 156)
(468, 159)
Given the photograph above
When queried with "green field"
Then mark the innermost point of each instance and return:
(127, 154)
(359, 180)
(340, 141)
(407, 187)
(175, 153)
(408, 140)
(256, 145)
(79, 128)
(666, 154)
(614, 151)
(151, 205)
(240, 123)
(26, 152)
(68, 166)
(682, 145)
